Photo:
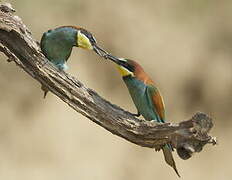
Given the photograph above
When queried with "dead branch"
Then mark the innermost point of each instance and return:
(18, 45)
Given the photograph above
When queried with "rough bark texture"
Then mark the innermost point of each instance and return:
(18, 45)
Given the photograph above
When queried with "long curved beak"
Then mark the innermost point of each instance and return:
(114, 59)
(101, 52)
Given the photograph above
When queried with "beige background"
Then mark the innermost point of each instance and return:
(185, 46)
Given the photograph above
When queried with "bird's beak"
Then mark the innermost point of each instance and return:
(114, 59)
(101, 52)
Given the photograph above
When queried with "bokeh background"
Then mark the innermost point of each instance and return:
(185, 46)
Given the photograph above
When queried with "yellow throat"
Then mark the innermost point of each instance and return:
(123, 71)
(83, 41)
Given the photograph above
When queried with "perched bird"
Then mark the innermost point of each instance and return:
(146, 97)
(57, 45)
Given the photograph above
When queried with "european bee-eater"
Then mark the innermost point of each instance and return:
(146, 97)
(57, 45)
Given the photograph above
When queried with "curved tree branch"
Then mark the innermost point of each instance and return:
(18, 45)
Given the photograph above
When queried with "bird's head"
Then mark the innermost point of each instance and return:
(126, 67)
(86, 40)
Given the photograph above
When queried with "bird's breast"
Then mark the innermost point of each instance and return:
(137, 90)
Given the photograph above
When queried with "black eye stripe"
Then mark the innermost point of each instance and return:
(88, 35)
(128, 66)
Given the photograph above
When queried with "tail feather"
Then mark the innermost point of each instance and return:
(167, 151)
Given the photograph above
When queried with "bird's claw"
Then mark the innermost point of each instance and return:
(135, 114)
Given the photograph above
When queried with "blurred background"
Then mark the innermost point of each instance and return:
(185, 46)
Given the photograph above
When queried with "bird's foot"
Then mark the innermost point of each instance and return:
(135, 114)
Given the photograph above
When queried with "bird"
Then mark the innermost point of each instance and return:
(56, 44)
(146, 97)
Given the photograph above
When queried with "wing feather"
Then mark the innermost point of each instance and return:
(156, 101)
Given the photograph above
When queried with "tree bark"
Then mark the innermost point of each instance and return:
(17, 44)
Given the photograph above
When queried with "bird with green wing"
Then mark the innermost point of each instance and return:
(146, 97)
(57, 44)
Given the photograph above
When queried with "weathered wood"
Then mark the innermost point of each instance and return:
(18, 45)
